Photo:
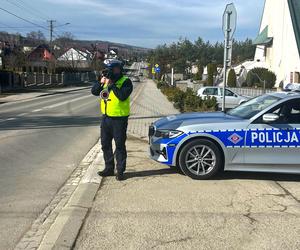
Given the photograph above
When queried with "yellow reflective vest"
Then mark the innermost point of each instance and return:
(114, 107)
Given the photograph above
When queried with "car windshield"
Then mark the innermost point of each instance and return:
(253, 106)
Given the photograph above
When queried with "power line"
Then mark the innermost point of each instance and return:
(28, 6)
(5, 26)
(26, 9)
(10, 27)
(25, 20)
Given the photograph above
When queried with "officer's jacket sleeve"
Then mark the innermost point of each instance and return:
(97, 88)
(124, 92)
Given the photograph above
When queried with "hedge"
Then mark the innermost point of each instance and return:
(188, 101)
(264, 74)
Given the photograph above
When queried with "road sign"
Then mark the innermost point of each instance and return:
(229, 27)
(156, 65)
(229, 20)
(157, 69)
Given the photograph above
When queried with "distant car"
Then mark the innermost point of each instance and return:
(135, 79)
(232, 99)
(261, 135)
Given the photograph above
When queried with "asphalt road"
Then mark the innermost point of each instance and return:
(41, 142)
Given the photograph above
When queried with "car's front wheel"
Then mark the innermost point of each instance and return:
(200, 159)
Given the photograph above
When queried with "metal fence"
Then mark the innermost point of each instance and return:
(11, 81)
(253, 92)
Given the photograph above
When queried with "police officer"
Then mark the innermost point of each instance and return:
(115, 110)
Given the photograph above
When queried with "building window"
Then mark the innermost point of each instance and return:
(291, 77)
(297, 77)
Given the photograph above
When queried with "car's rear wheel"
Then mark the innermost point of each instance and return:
(200, 159)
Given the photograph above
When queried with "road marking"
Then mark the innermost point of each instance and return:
(66, 102)
(37, 110)
(23, 114)
(8, 119)
(47, 107)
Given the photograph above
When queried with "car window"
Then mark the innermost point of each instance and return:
(254, 106)
(289, 112)
(210, 91)
(227, 92)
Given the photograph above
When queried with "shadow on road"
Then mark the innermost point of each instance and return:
(257, 176)
(149, 173)
(221, 176)
(133, 117)
(42, 122)
(45, 122)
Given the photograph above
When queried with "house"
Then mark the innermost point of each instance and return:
(40, 58)
(75, 58)
(41, 54)
(278, 43)
(112, 54)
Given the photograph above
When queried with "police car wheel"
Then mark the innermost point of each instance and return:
(200, 159)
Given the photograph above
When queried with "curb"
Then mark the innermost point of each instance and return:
(63, 232)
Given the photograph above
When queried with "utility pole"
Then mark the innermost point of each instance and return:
(51, 27)
(229, 26)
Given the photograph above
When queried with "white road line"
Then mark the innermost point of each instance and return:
(66, 102)
(37, 110)
(23, 114)
(8, 119)
(47, 107)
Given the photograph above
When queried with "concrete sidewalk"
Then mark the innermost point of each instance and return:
(149, 105)
(15, 97)
(158, 208)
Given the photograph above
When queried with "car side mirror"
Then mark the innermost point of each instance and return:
(268, 118)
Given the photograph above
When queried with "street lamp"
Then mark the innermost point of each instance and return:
(51, 27)
(62, 25)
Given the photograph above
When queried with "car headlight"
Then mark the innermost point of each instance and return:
(166, 133)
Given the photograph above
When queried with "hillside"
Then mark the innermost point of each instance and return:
(105, 46)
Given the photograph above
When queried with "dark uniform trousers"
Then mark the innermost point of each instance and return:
(114, 128)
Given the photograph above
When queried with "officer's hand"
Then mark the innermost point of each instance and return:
(105, 80)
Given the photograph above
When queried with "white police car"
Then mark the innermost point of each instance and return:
(262, 134)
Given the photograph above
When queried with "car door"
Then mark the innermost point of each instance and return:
(231, 99)
(278, 142)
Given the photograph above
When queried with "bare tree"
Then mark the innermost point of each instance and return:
(37, 36)
(65, 39)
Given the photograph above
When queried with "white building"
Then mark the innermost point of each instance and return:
(278, 44)
(75, 58)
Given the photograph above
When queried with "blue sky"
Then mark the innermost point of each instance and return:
(145, 23)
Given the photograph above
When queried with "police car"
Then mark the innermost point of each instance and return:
(260, 135)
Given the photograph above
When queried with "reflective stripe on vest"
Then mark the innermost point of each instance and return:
(113, 106)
